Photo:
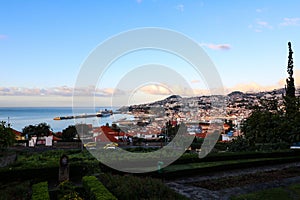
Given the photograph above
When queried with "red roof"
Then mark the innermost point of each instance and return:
(16, 132)
(56, 138)
(107, 134)
(200, 135)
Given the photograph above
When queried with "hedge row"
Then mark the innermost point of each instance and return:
(130, 187)
(96, 189)
(47, 173)
(40, 191)
(215, 157)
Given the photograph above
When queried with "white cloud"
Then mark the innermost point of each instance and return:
(155, 89)
(290, 22)
(259, 25)
(107, 92)
(195, 81)
(256, 87)
(62, 96)
(263, 24)
(180, 7)
(23, 91)
(216, 46)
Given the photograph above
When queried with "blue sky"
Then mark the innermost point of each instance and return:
(44, 43)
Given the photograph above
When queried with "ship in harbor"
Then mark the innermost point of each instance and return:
(105, 113)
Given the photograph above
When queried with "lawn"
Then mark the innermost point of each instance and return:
(246, 179)
(199, 165)
(281, 193)
(274, 194)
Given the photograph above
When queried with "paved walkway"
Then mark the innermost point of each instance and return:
(184, 187)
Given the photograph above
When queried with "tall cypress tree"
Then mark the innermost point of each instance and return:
(290, 97)
(290, 85)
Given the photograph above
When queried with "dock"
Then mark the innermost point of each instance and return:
(100, 114)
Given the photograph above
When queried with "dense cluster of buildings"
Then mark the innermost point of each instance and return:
(152, 121)
(197, 113)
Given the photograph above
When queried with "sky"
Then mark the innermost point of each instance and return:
(44, 45)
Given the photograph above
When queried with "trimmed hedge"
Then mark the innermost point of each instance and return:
(40, 191)
(95, 189)
(130, 187)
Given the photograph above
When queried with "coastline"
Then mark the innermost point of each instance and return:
(19, 117)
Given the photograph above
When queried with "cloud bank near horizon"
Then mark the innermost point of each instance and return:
(216, 46)
(62, 96)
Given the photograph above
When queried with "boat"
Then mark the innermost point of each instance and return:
(104, 113)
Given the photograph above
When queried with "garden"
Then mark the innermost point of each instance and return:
(32, 167)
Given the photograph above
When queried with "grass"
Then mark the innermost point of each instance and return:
(290, 192)
(199, 165)
(274, 194)
(34, 160)
(295, 188)
(227, 182)
(15, 190)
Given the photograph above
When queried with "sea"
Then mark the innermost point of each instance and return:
(19, 117)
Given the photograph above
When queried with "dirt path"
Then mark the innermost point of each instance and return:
(184, 187)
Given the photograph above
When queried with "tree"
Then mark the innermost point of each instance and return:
(28, 131)
(42, 129)
(69, 133)
(289, 98)
(170, 130)
(292, 103)
(271, 124)
(266, 125)
(7, 137)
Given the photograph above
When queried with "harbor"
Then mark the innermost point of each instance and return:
(105, 113)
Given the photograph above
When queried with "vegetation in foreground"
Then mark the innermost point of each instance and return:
(275, 121)
(291, 192)
(246, 179)
(131, 187)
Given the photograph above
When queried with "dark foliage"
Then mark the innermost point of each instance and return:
(69, 133)
(7, 137)
(42, 129)
(273, 122)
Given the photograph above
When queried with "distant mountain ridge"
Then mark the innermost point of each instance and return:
(233, 95)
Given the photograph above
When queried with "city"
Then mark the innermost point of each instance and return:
(149, 99)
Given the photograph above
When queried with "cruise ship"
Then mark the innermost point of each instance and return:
(105, 113)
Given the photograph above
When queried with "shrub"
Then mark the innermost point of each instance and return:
(40, 191)
(134, 188)
(67, 191)
(239, 144)
(271, 146)
(15, 190)
(96, 189)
